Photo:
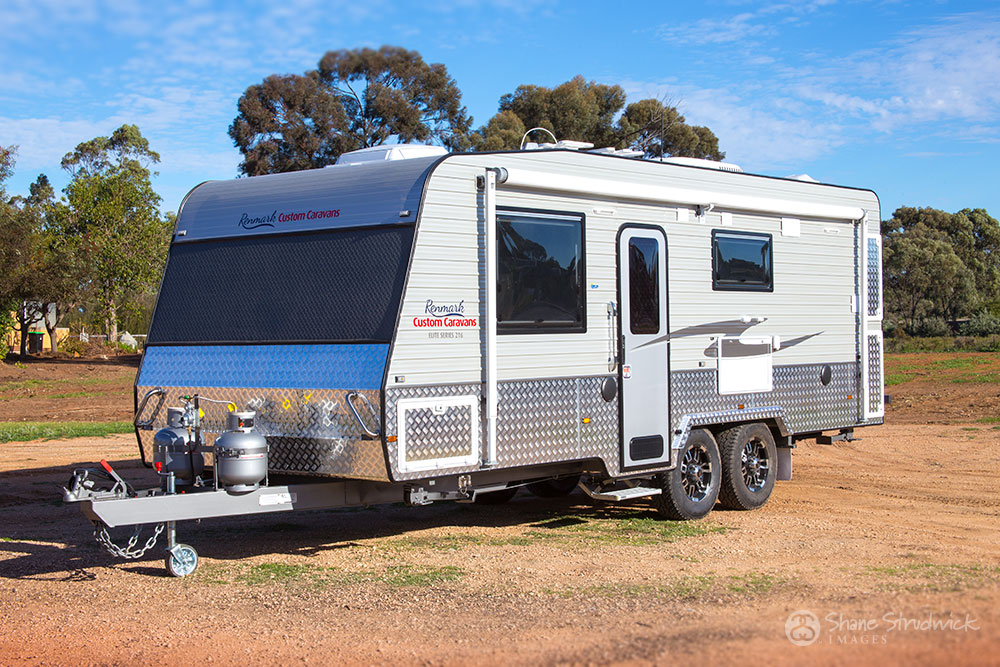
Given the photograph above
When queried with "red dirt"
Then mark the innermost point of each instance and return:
(68, 389)
(900, 525)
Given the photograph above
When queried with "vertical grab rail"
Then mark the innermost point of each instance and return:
(349, 399)
(612, 337)
(147, 425)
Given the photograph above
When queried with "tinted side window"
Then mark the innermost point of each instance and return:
(540, 273)
(644, 285)
(741, 261)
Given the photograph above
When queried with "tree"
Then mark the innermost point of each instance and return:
(39, 265)
(60, 271)
(7, 158)
(582, 110)
(924, 277)
(13, 248)
(970, 236)
(354, 99)
(503, 132)
(658, 130)
(577, 110)
(289, 123)
(113, 209)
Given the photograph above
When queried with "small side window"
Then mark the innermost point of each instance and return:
(540, 272)
(742, 261)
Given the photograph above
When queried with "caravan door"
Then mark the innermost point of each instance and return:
(645, 347)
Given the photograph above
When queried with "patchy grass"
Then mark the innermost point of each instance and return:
(78, 394)
(977, 378)
(689, 589)
(955, 368)
(25, 431)
(315, 576)
(989, 420)
(449, 542)
(567, 530)
(276, 573)
(753, 583)
(26, 384)
(421, 575)
(633, 530)
(35, 383)
(959, 362)
(933, 577)
(282, 574)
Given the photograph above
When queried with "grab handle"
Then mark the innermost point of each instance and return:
(148, 424)
(354, 410)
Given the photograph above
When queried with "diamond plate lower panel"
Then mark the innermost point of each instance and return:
(874, 278)
(806, 403)
(309, 431)
(538, 421)
(875, 386)
(431, 435)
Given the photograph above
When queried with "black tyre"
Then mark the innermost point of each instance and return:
(749, 466)
(554, 488)
(692, 487)
(496, 497)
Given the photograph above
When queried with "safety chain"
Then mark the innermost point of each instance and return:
(129, 551)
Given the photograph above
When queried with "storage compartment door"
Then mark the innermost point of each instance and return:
(437, 433)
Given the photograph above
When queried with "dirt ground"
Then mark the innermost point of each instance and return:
(68, 389)
(884, 550)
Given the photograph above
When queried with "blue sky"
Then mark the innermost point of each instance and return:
(900, 97)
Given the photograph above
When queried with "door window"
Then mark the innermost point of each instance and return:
(644, 285)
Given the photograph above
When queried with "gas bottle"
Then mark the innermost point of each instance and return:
(241, 454)
(175, 451)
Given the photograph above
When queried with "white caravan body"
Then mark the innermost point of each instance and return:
(519, 313)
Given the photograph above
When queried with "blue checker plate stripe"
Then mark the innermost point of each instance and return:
(338, 366)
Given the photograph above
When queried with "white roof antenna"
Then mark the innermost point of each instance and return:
(525, 137)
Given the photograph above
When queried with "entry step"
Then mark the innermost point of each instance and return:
(625, 494)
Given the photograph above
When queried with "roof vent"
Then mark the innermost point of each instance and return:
(389, 152)
(802, 177)
(620, 152)
(705, 164)
(564, 143)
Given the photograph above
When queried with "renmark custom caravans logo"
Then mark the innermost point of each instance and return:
(248, 222)
(444, 315)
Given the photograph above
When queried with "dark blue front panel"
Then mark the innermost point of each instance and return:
(349, 196)
(354, 366)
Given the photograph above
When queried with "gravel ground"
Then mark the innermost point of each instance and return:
(874, 538)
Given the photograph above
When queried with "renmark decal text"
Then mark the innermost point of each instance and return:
(247, 222)
(444, 315)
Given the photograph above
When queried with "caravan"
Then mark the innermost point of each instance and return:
(459, 326)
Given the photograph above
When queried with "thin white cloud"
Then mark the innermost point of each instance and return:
(751, 131)
(738, 28)
(762, 21)
(936, 80)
